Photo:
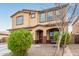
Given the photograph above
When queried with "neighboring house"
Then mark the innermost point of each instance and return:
(41, 23)
(71, 23)
(3, 36)
(75, 30)
(75, 24)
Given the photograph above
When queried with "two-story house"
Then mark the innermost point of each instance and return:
(41, 23)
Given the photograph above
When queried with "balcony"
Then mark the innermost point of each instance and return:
(53, 21)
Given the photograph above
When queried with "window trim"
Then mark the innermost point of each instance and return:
(22, 19)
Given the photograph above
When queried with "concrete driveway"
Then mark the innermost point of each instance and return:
(3, 49)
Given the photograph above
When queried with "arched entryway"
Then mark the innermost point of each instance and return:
(50, 33)
(39, 36)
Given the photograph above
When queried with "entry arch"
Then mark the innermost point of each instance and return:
(39, 36)
(50, 33)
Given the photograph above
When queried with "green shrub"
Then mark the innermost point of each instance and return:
(65, 39)
(20, 41)
(56, 35)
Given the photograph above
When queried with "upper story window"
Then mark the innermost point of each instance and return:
(42, 17)
(58, 13)
(19, 20)
(32, 15)
(50, 16)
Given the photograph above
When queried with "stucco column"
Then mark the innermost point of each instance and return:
(44, 37)
(34, 36)
(44, 32)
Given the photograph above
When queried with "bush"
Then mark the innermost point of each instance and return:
(65, 39)
(65, 36)
(20, 41)
(56, 35)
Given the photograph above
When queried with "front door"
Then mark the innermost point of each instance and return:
(40, 36)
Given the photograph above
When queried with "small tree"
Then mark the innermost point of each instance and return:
(65, 39)
(56, 35)
(20, 41)
(62, 18)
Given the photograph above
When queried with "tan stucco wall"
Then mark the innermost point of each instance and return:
(25, 22)
(34, 21)
(44, 29)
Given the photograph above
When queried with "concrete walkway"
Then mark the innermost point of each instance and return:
(67, 52)
(74, 49)
(41, 50)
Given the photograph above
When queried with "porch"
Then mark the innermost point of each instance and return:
(45, 36)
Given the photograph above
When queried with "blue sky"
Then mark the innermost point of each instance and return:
(7, 9)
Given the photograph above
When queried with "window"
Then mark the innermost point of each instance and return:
(42, 17)
(50, 16)
(19, 20)
(57, 13)
(32, 15)
(51, 33)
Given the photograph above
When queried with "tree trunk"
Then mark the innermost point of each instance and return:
(58, 44)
